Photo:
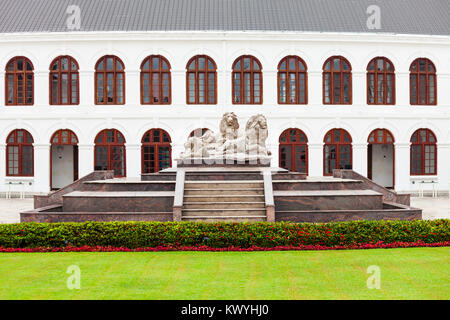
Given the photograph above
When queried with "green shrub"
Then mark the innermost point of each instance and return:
(220, 235)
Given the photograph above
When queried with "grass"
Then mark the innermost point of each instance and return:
(411, 273)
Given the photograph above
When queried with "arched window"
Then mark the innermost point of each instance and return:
(337, 81)
(19, 153)
(64, 81)
(293, 150)
(422, 82)
(380, 136)
(110, 152)
(380, 81)
(109, 81)
(247, 81)
(199, 132)
(201, 80)
(155, 80)
(423, 153)
(337, 151)
(156, 151)
(19, 78)
(292, 81)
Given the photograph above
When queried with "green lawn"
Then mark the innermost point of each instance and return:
(413, 273)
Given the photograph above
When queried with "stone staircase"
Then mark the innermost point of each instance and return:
(224, 201)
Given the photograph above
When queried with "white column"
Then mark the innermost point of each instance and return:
(443, 165)
(2, 166)
(132, 88)
(360, 158)
(402, 165)
(41, 88)
(179, 87)
(315, 159)
(41, 167)
(315, 88)
(402, 89)
(133, 152)
(270, 87)
(85, 159)
(359, 89)
(2, 92)
(87, 84)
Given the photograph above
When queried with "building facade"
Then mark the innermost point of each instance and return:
(72, 102)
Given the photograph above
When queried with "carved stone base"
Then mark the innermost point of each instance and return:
(225, 162)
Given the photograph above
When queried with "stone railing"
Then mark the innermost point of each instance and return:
(55, 197)
(388, 195)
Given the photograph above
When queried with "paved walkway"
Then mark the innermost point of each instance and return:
(433, 208)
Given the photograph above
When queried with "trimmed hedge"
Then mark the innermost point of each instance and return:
(221, 235)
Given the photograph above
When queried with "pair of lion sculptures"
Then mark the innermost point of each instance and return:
(228, 142)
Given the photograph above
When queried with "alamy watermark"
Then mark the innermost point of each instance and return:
(73, 21)
(374, 281)
(374, 19)
(74, 280)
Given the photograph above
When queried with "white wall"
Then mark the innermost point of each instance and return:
(179, 119)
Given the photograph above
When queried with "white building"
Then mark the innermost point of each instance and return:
(39, 39)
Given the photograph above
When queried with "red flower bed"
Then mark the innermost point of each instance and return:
(377, 245)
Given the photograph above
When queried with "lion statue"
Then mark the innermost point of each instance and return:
(229, 126)
(256, 134)
(200, 147)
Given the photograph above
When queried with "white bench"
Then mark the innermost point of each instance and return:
(21, 192)
(423, 182)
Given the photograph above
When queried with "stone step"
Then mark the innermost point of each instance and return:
(229, 184)
(327, 200)
(223, 198)
(149, 201)
(223, 205)
(224, 212)
(223, 176)
(326, 184)
(230, 191)
(159, 176)
(225, 218)
(289, 176)
(128, 185)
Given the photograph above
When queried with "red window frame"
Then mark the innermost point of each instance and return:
(292, 138)
(421, 139)
(101, 70)
(330, 71)
(12, 75)
(197, 72)
(299, 71)
(101, 140)
(161, 140)
(148, 73)
(240, 71)
(336, 140)
(380, 75)
(13, 141)
(72, 87)
(421, 78)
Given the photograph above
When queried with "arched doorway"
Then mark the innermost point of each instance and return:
(381, 158)
(109, 153)
(293, 150)
(63, 159)
(337, 151)
(156, 151)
